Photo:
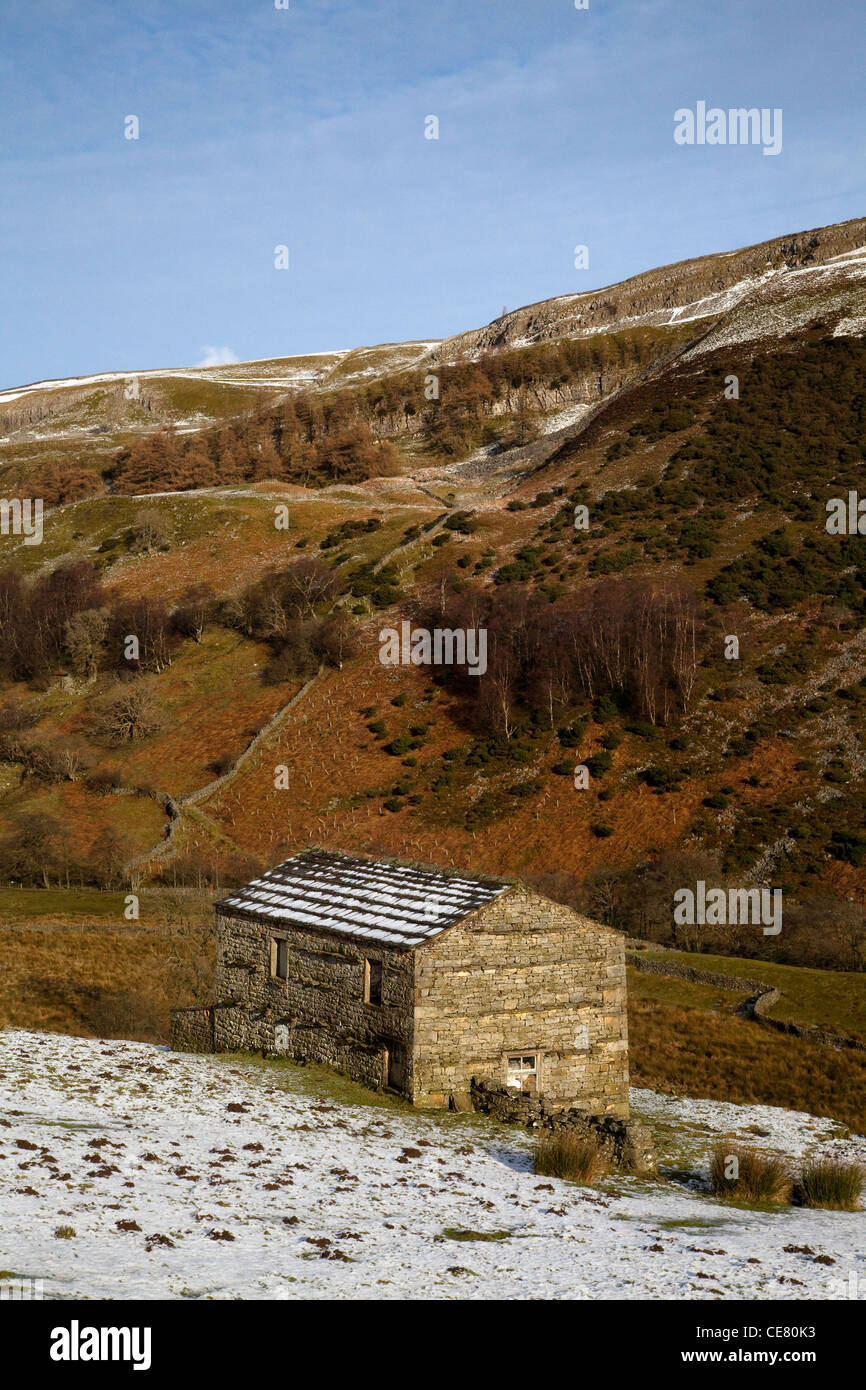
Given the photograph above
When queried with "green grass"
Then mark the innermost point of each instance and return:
(668, 989)
(28, 904)
(81, 905)
(687, 1223)
(452, 1233)
(832, 999)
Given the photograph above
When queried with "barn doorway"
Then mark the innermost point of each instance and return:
(395, 1066)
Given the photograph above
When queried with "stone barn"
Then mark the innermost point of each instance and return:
(421, 981)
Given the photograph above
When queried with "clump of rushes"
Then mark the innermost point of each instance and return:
(829, 1183)
(569, 1156)
(749, 1175)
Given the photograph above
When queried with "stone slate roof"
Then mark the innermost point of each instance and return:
(397, 905)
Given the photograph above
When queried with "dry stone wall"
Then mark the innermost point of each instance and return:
(626, 1144)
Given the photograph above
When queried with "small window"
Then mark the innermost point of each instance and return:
(372, 982)
(280, 959)
(522, 1071)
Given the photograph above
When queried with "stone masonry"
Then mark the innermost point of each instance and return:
(523, 973)
(455, 997)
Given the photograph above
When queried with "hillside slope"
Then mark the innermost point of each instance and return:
(705, 509)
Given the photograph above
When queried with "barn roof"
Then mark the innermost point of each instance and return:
(377, 901)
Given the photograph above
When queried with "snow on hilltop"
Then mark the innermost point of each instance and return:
(211, 1177)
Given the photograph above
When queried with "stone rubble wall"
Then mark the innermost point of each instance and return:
(738, 983)
(192, 1030)
(626, 1144)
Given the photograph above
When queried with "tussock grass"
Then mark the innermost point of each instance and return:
(569, 1156)
(749, 1175)
(831, 1184)
(697, 1052)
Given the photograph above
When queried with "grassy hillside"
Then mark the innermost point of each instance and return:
(258, 591)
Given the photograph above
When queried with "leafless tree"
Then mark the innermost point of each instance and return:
(132, 711)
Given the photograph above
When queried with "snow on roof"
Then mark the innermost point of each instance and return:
(376, 901)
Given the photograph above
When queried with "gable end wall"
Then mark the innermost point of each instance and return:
(523, 974)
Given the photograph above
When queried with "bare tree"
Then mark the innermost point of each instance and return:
(133, 711)
(84, 641)
(151, 530)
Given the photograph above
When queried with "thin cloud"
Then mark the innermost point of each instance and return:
(217, 356)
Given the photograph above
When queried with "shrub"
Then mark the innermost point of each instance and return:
(105, 779)
(565, 1155)
(571, 735)
(756, 1177)
(661, 779)
(399, 745)
(849, 846)
(599, 764)
(828, 1183)
(151, 530)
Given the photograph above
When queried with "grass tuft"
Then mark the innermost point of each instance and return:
(749, 1175)
(829, 1183)
(569, 1156)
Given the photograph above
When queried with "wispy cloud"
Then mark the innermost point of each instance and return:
(217, 356)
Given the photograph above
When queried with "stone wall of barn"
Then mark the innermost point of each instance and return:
(318, 1013)
(523, 975)
(192, 1029)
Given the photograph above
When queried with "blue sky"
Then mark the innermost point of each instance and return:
(305, 127)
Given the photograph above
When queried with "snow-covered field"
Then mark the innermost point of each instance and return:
(206, 1177)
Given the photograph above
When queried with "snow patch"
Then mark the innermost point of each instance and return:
(326, 1199)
